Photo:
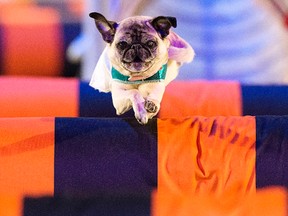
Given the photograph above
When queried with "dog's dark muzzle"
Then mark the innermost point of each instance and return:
(137, 53)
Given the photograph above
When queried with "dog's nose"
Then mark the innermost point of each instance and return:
(136, 46)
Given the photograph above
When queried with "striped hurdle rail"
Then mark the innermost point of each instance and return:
(196, 164)
(63, 97)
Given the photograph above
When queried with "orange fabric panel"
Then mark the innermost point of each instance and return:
(33, 43)
(11, 205)
(35, 97)
(265, 202)
(207, 98)
(207, 155)
(27, 156)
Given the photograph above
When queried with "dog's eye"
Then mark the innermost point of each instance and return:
(151, 44)
(122, 45)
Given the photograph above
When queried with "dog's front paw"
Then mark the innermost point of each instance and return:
(142, 119)
(150, 106)
(141, 114)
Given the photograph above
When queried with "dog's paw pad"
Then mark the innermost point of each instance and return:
(150, 106)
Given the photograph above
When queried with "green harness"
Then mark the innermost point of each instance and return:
(157, 77)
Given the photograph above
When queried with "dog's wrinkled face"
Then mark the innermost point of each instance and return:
(137, 45)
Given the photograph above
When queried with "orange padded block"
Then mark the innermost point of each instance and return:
(38, 97)
(264, 202)
(207, 98)
(11, 205)
(211, 156)
(27, 156)
(32, 41)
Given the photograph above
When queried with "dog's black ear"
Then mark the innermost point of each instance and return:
(162, 24)
(106, 28)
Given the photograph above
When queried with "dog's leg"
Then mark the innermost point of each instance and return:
(138, 104)
(120, 98)
(153, 93)
(125, 99)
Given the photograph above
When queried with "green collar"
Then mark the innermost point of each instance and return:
(157, 77)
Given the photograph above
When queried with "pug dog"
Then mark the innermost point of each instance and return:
(141, 58)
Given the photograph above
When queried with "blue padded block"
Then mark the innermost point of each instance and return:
(265, 100)
(96, 104)
(106, 205)
(105, 155)
(271, 151)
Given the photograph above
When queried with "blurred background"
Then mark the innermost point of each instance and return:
(35, 34)
(243, 40)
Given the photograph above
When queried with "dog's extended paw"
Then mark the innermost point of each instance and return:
(150, 106)
(141, 115)
(142, 119)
